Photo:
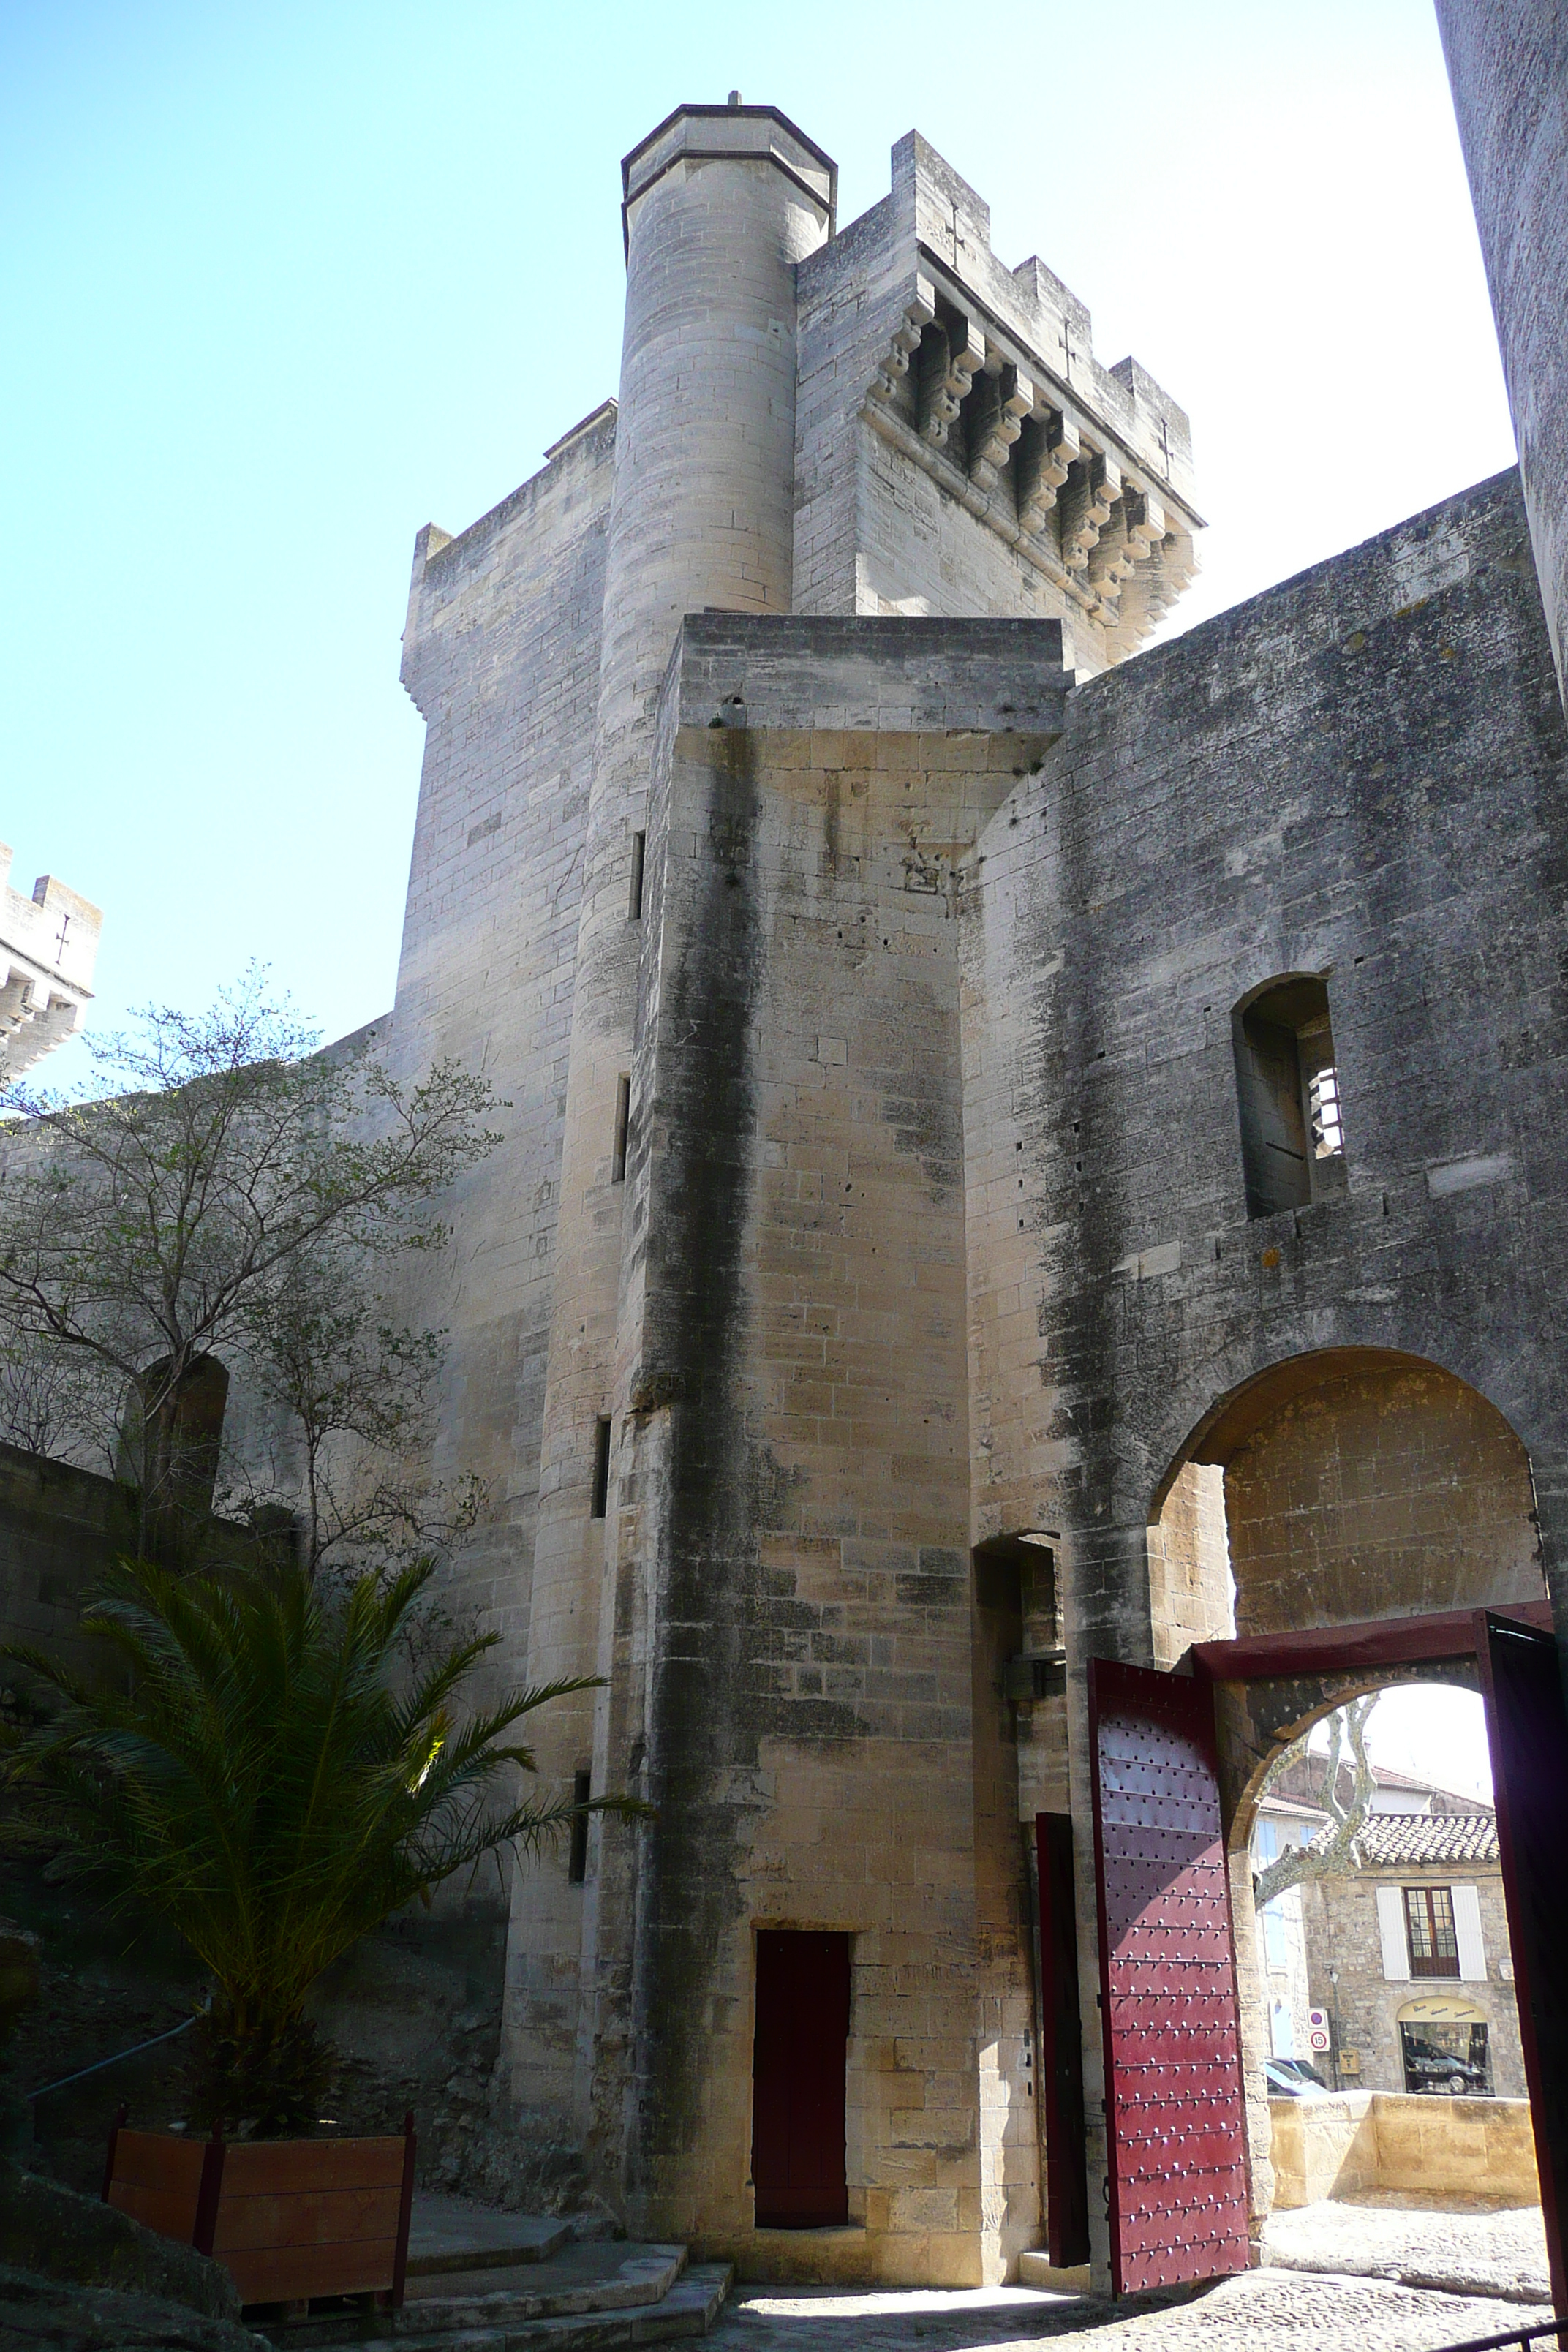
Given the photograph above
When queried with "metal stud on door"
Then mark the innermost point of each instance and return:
(1175, 2112)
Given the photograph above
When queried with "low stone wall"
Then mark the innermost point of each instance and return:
(1430, 2148)
(60, 1529)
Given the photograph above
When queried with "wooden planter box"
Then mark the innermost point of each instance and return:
(288, 2219)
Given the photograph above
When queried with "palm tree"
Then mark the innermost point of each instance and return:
(276, 1769)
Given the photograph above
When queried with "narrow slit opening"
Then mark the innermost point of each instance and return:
(577, 1860)
(601, 1469)
(622, 1122)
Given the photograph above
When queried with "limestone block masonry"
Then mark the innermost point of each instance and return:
(867, 1319)
(1507, 62)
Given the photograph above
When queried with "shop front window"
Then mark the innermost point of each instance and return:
(1451, 2059)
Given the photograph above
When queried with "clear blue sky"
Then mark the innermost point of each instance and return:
(283, 283)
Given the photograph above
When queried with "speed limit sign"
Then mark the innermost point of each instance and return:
(1319, 2039)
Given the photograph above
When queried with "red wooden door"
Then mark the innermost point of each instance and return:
(1175, 2112)
(1527, 1729)
(797, 2079)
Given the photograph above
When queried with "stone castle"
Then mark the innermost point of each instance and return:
(1025, 1168)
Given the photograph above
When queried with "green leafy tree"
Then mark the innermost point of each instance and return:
(267, 1773)
(228, 1195)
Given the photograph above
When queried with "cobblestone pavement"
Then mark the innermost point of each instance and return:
(1265, 2311)
(1500, 2252)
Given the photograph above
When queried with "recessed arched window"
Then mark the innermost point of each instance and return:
(1288, 1096)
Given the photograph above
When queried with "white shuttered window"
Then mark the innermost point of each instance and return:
(1467, 1901)
(1391, 1929)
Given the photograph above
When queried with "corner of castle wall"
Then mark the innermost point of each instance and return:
(428, 542)
(947, 212)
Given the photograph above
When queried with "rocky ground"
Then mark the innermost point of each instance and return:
(1478, 2252)
(1265, 2311)
(40, 2315)
(1379, 2274)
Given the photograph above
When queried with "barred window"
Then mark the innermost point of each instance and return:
(1288, 1096)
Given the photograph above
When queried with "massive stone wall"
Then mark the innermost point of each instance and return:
(894, 902)
(795, 1626)
(1507, 62)
(1360, 775)
(501, 655)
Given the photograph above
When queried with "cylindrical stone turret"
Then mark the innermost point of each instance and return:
(719, 202)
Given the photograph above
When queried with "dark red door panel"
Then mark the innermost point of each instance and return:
(797, 2079)
(1061, 2048)
(1175, 2111)
(1528, 1731)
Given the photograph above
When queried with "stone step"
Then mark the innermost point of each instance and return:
(1036, 2270)
(611, 2276)
(447, 2233)
(599, 2293)
(690, 2308)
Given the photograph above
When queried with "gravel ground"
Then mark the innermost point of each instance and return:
(1265, 2311)
(1500, 2252)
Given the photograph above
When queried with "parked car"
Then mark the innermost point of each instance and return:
(1292, 2078)
(1429, 2069)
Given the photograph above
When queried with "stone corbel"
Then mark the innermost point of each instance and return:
(1090, 502)
(1058, 450)
(1146, 521)
(965, 350)
(918, 313)
(1013, 400)
(1170, 573)
(1153, 589)
(1140, 526)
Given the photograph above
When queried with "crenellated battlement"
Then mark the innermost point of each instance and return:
(984, 381)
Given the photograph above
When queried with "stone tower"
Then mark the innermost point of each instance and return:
(720, 204)
(1031, 1236)
(876, 432)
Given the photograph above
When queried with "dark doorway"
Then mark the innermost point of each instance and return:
(1061, 2047)
(797, 2079)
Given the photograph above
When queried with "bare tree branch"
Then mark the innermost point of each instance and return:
(1337, 1848)
(230, 1193)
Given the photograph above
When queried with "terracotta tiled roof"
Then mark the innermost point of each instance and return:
(1392, 1838)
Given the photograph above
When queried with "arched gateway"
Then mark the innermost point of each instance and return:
(1377, 1522)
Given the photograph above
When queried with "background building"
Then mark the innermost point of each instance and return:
(1404, 1956)
(49, 945)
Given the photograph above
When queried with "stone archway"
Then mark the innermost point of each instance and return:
(1336, 1494)
(1333, 1488)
